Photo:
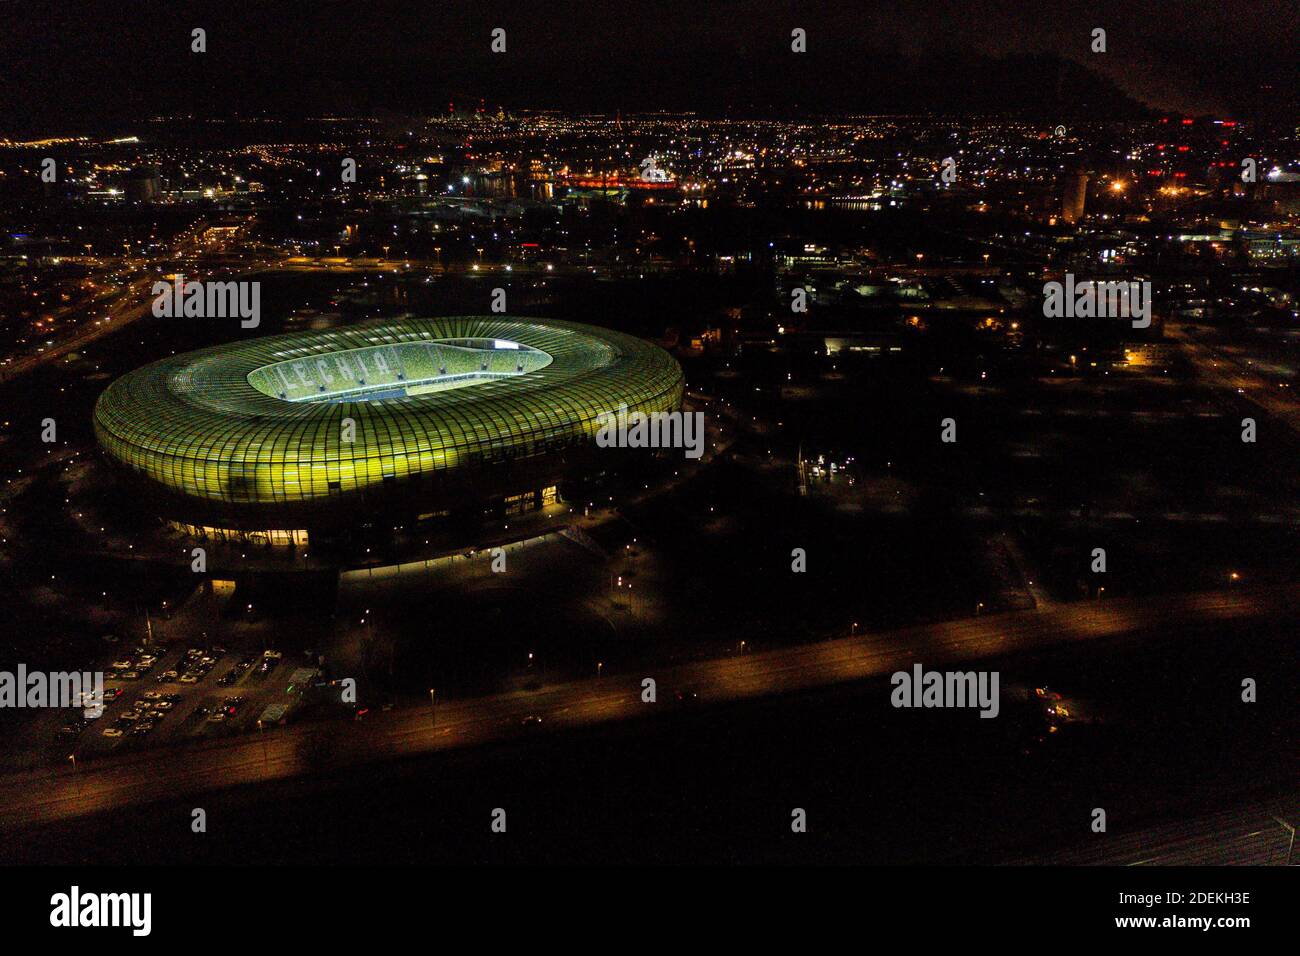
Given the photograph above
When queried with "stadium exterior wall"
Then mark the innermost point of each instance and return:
(210, 446)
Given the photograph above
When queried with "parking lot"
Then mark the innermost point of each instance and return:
(156, 695)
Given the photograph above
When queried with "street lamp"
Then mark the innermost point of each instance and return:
(433, 705)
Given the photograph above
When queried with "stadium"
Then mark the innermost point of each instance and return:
(405, 419)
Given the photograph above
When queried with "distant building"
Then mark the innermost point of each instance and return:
(1073, 196)
(144, 184)
(416, 184)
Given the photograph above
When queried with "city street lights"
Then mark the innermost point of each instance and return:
(433, 706)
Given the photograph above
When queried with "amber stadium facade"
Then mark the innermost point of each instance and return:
(405, 419)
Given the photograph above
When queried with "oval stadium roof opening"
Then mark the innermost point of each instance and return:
(397, 370)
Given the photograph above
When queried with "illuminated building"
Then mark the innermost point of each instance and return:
(419, 417)
(1073, 197)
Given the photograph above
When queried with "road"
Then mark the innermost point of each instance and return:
(280, 753)
(1226, 370)
(136, 300)
(82, 335)
(133, 302)
(1250, 835)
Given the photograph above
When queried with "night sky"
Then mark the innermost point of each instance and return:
(85, 64)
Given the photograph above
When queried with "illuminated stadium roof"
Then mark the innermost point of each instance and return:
(262, 423)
